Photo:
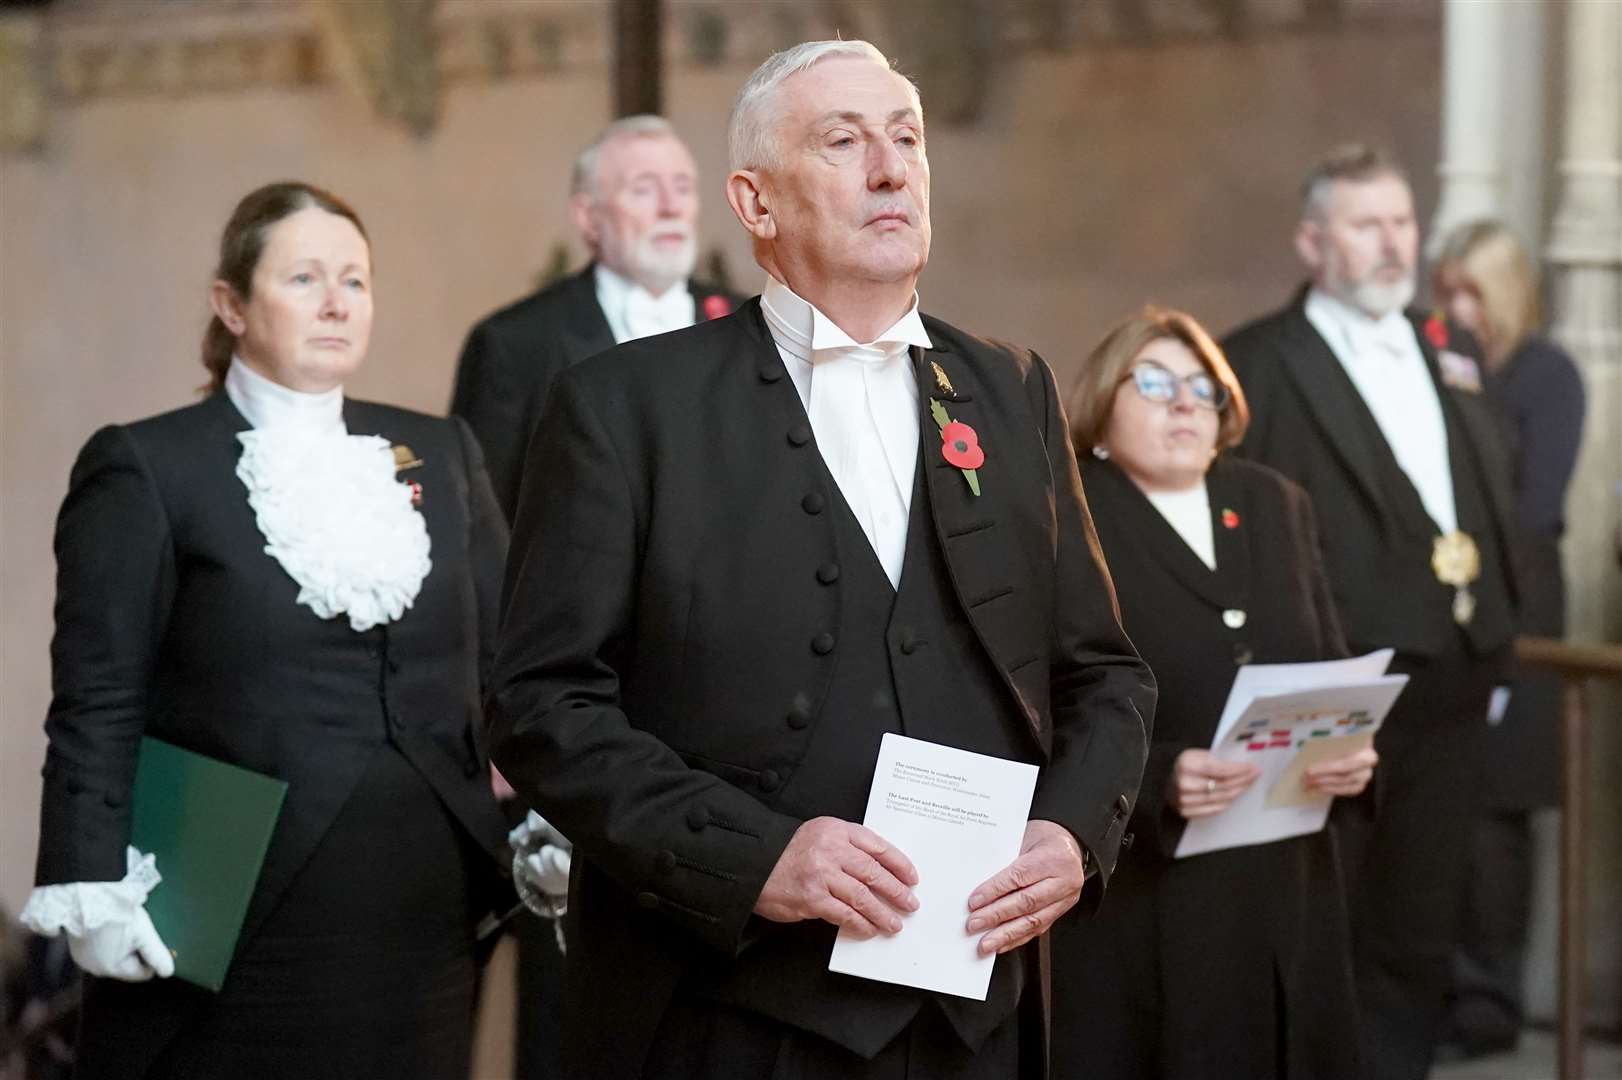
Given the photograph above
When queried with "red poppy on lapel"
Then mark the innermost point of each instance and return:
(960, 445)
(1230, 520)
(716, 306)
(416, 493)
(1436, 330)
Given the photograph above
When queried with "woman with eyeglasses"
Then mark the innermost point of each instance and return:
(1234, 963)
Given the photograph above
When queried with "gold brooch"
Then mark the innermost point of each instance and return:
(404, 459)
(941, 380)
(1456, 561)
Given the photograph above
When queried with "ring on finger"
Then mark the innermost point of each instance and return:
(1210, 785)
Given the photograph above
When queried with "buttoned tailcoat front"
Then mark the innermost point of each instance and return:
(672, 628)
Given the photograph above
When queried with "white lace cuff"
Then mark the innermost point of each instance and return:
(82, 906)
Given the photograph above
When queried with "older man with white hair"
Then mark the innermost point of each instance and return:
(1378, 412)
(634, 200)
(754, 548)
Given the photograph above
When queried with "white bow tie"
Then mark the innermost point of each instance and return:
(879, 352)
(1393, 336)
(646, 314)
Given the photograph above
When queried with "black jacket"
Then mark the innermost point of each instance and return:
(663, 608)
(1309, 422)
(172, 621)
(1216, 965)
(512, 357)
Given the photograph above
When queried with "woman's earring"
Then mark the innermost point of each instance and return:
(1100, 453)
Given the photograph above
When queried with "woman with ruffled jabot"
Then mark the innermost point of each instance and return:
(304, 585)
(1233, 963)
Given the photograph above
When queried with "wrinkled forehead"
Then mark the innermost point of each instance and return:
(634, 153)
(1384, 194)
(847, 87)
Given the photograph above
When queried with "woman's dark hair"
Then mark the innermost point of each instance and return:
(243, 242)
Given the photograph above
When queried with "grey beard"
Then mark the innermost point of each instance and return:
(1377, 300)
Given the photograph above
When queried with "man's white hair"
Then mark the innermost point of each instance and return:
(584, 178)
(753, 141)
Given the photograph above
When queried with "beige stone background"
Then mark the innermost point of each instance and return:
(1101, 172)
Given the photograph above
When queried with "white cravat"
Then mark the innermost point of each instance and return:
(1189, 512)
(862, 401)
(1383, 360)
(268, 404)
(633, 312)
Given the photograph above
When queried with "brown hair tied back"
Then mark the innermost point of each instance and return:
(241, 246)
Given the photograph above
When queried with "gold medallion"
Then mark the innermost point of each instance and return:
(1456, 561)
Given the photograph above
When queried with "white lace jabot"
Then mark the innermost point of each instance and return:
(328, 503)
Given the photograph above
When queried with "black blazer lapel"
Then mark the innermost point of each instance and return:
(966, 523)
(1471, 423)
(585, 331)
(1332, 400)
(1338, 408)
(1222, 588)
(1231, 532)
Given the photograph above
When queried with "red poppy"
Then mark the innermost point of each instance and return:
(716, 306)
(960, 446)
(1230, 520)
(416, 493)
(1436, 330)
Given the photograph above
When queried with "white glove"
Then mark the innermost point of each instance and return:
(546, 862)
(548, 870)
(109, 932)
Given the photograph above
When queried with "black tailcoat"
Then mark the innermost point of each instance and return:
(672, 631)
(1233, 963)
(172, 621)
(512, 356)
(1406, 868)
(1309, 422)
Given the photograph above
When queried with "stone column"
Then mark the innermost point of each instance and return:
(1584, 264)
(1473, 74)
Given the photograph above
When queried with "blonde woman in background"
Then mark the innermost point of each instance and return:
(1485, 282)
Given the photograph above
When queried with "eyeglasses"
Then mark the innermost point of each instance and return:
(1156, 384)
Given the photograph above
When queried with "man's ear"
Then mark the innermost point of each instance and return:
(1309, 244)
(746, 194)
(228, 306)
(580, 210)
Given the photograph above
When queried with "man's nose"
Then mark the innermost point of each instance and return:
(886, 167)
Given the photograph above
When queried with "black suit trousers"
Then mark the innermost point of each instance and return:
(1406, 868)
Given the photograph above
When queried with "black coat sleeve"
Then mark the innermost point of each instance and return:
(115, 586)
(1102, 693)
(492, 393)
(557, 727)
(486, 545)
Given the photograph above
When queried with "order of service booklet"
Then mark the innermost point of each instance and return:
(960, 817)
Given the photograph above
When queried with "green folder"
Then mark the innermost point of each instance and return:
(209, 825)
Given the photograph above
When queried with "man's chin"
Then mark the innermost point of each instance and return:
(1377, 299)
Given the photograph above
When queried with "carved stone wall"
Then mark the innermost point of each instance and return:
(399, 55)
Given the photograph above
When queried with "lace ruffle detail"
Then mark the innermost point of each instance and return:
(81, 906)
(333, 514)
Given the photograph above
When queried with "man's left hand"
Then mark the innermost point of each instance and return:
(1027, 897)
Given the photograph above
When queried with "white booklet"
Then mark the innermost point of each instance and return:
(1286, 718)
(960, 817)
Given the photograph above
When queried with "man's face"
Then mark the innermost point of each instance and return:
(851, 193)
(1364, 247)
(641, 214)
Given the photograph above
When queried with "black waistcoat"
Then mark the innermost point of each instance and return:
(908, 662)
